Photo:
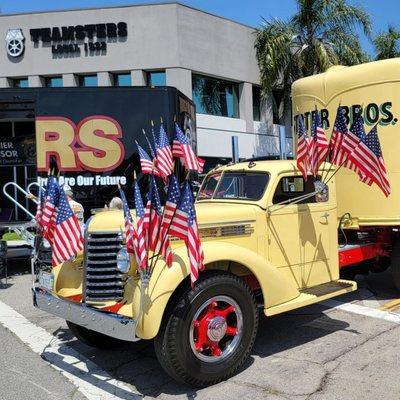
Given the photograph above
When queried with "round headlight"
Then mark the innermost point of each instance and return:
(123, 263)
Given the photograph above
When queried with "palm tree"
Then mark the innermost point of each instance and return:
(386, 44)
(322, 33)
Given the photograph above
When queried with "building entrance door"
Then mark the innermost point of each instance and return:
(17, 164)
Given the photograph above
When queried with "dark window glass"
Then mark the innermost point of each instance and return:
(215, 96)
(87, 80)
(122, 79)
(156, 78)
(244, 186)
(20, 83)
(53, 81)
(256, 103)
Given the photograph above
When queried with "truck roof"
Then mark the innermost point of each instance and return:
(272, 166)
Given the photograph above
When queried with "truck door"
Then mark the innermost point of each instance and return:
(302, 238)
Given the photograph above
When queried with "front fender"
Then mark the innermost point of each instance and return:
(275, 288)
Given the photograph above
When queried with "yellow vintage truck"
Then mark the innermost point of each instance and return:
(269, 240)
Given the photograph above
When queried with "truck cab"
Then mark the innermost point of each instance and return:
(270, 242)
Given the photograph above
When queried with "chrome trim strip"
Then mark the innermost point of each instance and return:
(103, 261)
(106, 291)
(106, 239)
(216, 225)
(226, 230)
(115, 246)
(114, 325)
(88, 269)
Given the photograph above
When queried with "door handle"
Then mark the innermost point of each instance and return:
(326, 215)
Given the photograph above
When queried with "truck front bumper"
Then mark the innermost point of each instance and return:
(107, 323)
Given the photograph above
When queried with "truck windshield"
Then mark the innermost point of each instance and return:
(234, 185)
(208, 187)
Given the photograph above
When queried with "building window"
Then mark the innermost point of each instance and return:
(122, 79)
(156, 78)
(53, 81)
(215, 96)
(19, 82)
(256, 103)
(87, 80)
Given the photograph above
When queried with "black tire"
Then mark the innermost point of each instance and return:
(172, 344)
(395, 262)
(95, 339)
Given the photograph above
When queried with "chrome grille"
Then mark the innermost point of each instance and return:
(103, 281)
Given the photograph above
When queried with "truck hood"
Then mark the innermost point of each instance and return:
(104, 221)
(212, 213)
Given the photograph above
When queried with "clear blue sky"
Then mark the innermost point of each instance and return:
(383, 12)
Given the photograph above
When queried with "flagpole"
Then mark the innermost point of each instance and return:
(169, 225)
(329, 149)
(148, 143)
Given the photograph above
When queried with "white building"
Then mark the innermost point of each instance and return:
(209, 58)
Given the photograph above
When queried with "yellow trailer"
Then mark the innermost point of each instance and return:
(373, 87)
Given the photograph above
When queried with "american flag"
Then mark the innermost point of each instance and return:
(302, 147)
(370, 160)
(146, 163)
(152, 223)
(319, 145)
(67, 239)
(182, 149)
(39, 210)
(184, 226)
(338, 154)
(357, 130)
(129, 229)
(172, 201)
(165, 162)
(49, 212)
(139, 238)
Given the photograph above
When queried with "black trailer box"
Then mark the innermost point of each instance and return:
(90, 132)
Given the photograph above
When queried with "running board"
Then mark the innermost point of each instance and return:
(313, 295)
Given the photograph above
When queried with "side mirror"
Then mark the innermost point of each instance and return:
(322, 192)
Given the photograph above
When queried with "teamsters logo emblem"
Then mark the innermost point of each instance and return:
(15, 42)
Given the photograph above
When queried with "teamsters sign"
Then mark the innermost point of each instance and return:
(90, 38)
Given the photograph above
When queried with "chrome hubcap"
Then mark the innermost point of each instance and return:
(216, 329)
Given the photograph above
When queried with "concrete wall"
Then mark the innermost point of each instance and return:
(159, 36)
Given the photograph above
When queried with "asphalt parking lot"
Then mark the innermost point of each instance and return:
(342, 349)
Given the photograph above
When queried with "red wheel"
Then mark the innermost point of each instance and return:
(216, 329)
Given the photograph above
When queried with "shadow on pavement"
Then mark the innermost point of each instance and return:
(136, 364)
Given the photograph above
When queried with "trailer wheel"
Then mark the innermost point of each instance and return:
(395, 262)
(209, 331)
(94, 339)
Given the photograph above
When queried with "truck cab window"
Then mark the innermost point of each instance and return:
(292, 187)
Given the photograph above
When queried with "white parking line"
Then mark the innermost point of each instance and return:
(362, 310)
(89, 378)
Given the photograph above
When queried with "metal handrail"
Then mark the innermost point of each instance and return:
(28, 188)
(16, 186)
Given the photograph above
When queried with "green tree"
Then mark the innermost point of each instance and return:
(320, 34)
(386, 44)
